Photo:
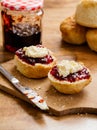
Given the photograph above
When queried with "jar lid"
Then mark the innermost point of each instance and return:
(22, 4)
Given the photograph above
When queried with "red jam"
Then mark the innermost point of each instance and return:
(82, 74)
(44, 60)
(19, 35)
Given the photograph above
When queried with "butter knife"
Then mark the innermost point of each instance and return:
(30, 94)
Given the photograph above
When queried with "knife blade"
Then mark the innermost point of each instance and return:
(30, 94)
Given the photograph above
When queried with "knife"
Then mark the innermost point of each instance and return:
(30, 94)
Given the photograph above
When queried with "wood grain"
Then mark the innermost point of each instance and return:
(60, 104)
(59, 4)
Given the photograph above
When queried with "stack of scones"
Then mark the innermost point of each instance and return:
(82, 27)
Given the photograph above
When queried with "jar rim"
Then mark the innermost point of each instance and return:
(19, 5)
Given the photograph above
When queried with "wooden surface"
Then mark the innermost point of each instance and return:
(59, 104)
(18, 115)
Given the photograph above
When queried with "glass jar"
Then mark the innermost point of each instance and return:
(21, 23)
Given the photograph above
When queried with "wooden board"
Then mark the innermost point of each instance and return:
(18, 115)
(60, 104)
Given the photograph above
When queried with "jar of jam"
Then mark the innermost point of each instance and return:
(21, 23)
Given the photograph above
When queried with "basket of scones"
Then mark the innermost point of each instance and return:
(82, 27)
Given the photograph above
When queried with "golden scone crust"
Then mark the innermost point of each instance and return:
(92, 39)
(67, 87)
(63, 70)
(33, 71)
(72, 32)
(86, 13)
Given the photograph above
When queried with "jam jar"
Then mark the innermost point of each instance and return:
(21, 23)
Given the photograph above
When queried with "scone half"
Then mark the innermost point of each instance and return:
(68, 87)
(37, 70)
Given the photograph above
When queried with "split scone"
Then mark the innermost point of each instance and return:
(34, 61)
(86, 13)
(72, 32)
(91, 37)
(69, 77)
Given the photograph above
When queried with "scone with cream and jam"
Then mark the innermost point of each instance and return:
(69, 77)
(34, 61)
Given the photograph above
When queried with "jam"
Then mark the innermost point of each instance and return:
(73, 77)
(18, 35)
(44, 60)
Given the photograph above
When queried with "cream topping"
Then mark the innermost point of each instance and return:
(35, 52)
(66, 67)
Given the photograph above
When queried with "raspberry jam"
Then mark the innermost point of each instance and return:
(19, 34)
(82, 74)
(45, 60)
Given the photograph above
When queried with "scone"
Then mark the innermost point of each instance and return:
(86, 13)
(72, 32)
(69, 77)
(91, 37)
(34, 61)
